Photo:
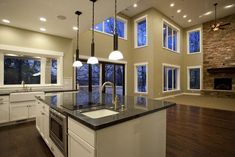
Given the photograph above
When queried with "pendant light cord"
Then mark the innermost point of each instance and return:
(77, 31)
(115, 18)
(93, 21)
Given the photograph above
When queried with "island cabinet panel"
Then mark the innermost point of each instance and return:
(141, 137)
(4, 109)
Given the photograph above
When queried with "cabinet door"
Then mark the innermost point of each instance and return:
(46, 127)
(39, 117)
(18, 111)
(77, 147)
(4, 112)
(32, 110)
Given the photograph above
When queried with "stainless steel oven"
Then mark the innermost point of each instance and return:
(58, 130)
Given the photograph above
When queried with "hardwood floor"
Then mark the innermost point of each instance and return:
(191, 132)
(22, 140)
(200, 132)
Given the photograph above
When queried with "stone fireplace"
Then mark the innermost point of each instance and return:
(219, 59)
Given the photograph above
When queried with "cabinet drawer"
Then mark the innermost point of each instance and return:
(4, 99)
(82, 131)
(4, 112)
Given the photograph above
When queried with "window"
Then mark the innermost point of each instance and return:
(141, 38)
(194, 78)
(107, 27)
(194, 41)
(170, 37)
(101, 73)
(18, 69)
(171, 78)
(141, 77)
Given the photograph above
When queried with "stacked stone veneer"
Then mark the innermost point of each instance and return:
(218, 51)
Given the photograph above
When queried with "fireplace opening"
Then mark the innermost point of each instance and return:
(223, 83)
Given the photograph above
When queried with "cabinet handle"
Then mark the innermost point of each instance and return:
(1, 103)
(42, 113)
(52, 149)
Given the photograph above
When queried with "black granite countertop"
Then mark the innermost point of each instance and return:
(81, 102)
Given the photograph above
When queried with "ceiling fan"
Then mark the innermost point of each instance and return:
(218, 25)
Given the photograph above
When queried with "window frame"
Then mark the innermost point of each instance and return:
(34, 53)
(136, 78)
(188, 77)
(136, 21)
(174, 28)
(178, 78)
(125, 28)
(200, 32)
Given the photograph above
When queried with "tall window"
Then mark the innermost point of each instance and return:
(141, 75)
(141, 38)
(170, 37)
(171, 78)
(107, 27)
(194, 78)
(101, 73)
(51, 71)
(194, 41)
(18, 69)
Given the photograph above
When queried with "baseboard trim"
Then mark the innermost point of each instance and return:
(17, 122)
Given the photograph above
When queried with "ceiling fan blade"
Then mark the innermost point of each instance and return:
(225, 24)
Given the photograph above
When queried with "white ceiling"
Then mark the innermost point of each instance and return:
(25, 14)
(193, 9)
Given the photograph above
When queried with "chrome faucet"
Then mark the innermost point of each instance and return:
(23, 84)
(114, 96)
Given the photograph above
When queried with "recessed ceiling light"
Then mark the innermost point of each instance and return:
(172, 4)
(135, 5)
(229, 6)
(5, 21)
(75, 28)
(189, 20)
(184, 16)
(208, 13)
(43, 29)
(179, 10)
(43, 19)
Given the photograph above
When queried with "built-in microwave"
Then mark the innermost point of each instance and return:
(58, 130)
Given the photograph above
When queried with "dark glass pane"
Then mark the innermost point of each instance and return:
(194, 78)
(141, 78)
(109, 25)
(165, 79)
(169, 78)
(175, 40)
(194, 41)
(170, 46)
(109, 73)
(119, 79)
(164, 35)
(121, 28)
(19, 69)
(83, 77)
(175, 71)
(99, 27)
(95, 77)
(141, 33)
(53, 71)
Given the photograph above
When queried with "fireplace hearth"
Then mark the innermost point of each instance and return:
(223, 83)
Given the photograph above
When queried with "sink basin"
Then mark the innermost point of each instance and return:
(99, 113)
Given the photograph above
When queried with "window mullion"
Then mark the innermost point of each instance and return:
(1, 69)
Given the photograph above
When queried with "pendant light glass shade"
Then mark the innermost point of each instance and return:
(115, 54)
(93, 59)
(77, 63)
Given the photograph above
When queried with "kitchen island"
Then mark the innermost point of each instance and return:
(137, 128)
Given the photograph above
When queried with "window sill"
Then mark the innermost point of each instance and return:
(144, 93)
(194, 89)
(138, 47)
(171, 91)
(193, 53)
(176, 52)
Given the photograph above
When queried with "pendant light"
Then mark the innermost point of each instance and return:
(93, 59)
(77, 63)
(115, 54)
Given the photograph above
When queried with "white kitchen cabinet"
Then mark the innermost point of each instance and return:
(77, 147)
(22, 110)
(4, 109)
